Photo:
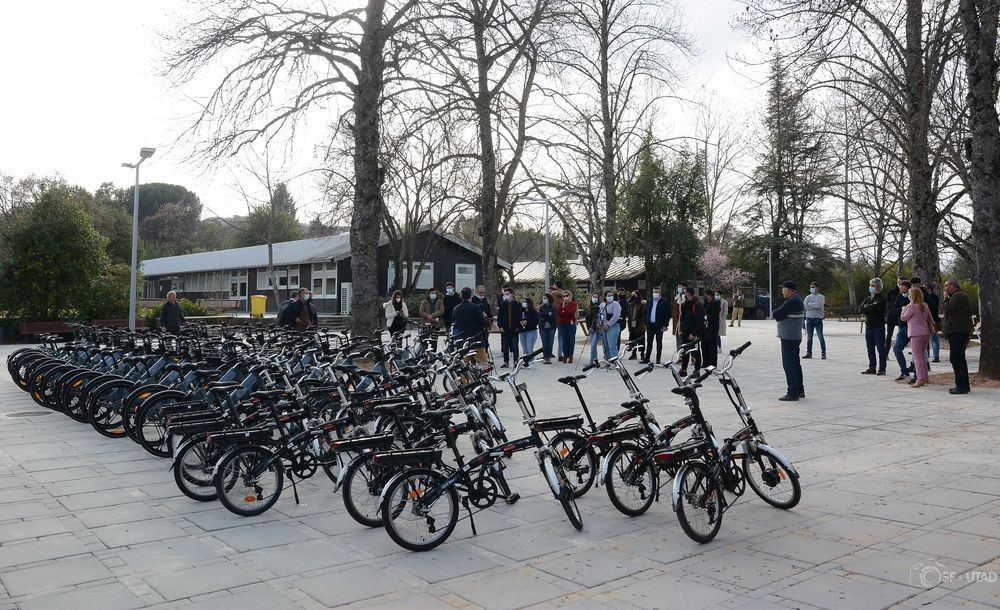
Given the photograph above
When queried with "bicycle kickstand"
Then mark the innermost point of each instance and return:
(295, 490)
(472, 522)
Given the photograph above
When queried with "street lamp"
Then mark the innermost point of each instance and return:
(144, 153)
(548, 201)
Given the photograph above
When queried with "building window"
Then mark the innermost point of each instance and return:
(324, 280)
(287, 278)
(424, 281)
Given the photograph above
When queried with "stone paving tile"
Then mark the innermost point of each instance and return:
(507, 588)
(955, 546)
(832, 591)
(449, 561)
(63, 572)
(111, 596)
(668, 589)
(138, 532)
(43, 549)
(299, 557)
(31, 528)
(251, 597)
(166, 555)
(591, 567)
(199, 580)
(350, 585)
(251, 537)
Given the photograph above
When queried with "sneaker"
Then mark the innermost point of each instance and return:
(789, 398)
(868, 372)
(807, 356)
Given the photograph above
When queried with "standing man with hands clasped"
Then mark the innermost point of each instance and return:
(957, 329)
(789, 318)
(873, 308)
(815, 304)
(656, 322)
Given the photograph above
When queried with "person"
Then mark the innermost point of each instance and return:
(710, 336)
(915, 282)
(548, 322)
(675, 311)
(815, 304)
(622, 299)
(602, 321)
(919, 327)
(891, 312)
(284, 318)
(957, 329)
(311, 308)
(396, 313)
(934, 303)
(737, 308)
(480, 300)
(902, 300)
(468, 318)
(789, 318)
(451, 301)
(566, 312)
(171, 315)
(509, 322)
(656, 322)
(873, 309)
(690, 325)
(529, 325)
(723, 315)
(636, 315)
(432, 308)
(301, 310)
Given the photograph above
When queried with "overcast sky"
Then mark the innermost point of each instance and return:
(82, 93)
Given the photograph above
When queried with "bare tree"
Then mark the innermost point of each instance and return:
(281, 60)
(721, 139)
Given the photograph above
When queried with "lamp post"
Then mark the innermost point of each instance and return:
(770, 286)
(144, 153)
(548, 201)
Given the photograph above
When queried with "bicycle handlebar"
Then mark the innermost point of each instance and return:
(739, 350)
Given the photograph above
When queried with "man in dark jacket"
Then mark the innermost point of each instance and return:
(957, 328)
(873, 309)
(451, 301)
(691, 325)
(468, 318)
(892, 311)
(789, 318)
(480, 299)
(509, 322)
(171, 315)
(934, 304)
(289, 310)
(710, 337)
(657, 310)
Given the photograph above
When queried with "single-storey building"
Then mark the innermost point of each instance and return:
(628, 272)
(322, 264)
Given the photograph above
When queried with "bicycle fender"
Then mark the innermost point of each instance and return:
(344, 467)
(402, 473)
(780, 457)
(675, 494)
(606, 459)
(179, 448)
(549, 470)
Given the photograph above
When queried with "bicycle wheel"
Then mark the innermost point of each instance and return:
(579, 460)
(362, 492)
(631, 480)
(151, 427)
(245, 485)
(412, 519)
(104, 407)
(769, 480)
(562, 490)
(193, 470)
(699, 502)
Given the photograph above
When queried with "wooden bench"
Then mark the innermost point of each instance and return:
(45, 327)
(220, 304)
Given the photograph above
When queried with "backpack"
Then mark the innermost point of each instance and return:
(283, 308)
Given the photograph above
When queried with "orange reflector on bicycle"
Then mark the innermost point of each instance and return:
(781, 473)
(250, 499)
(563, 452)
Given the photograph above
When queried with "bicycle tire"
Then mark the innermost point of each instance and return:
(771, 478)
(234, 467)
(104, 408)
(186, 471)
(622, 484)
(401, 491)
(362, 512)
(568, 442)
(702, 493)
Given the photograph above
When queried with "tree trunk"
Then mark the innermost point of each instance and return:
(979, 20)
(923, 207)
(366, 220)
(488, 205)
(270, 273)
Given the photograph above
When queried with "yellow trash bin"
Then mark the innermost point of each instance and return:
(258, 305)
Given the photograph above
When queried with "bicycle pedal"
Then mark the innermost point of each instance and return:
(512, 498)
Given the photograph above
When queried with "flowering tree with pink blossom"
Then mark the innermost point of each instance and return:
(714, 266)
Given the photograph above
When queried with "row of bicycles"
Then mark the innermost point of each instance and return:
(408, 434)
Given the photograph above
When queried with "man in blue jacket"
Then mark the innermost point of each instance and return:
(789, 318)
(509, 321)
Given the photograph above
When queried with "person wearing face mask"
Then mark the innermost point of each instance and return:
(509, 321)
(691, 326)
(919, 327)
(656, 321)
(899, 345)
(548, 321)
(302, 319)
(789, 318)
(676, 304)
(737, 308)
(892, 309)
(873, 309)
(432, 308)
(710, 336)
(313, 314)
(529, 325)
(636, 314)
(566, 311)
(815, 304)
(622, 299)
(480, 299)
(396, 313)
(604, 326)
(451, 301)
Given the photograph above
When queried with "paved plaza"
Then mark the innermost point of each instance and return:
(900, 508)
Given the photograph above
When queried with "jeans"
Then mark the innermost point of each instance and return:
(919, 345)
(793, 366)
(528, 338)
(935, 346)
(654, 334)
(548, 338)
(957, 344)
(875, 340)
(815, 324)
(567, 339)
(508, 345)
(610, 340)
(897, 349)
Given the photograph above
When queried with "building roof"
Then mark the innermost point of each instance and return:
(314, 250)
(621, 268)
